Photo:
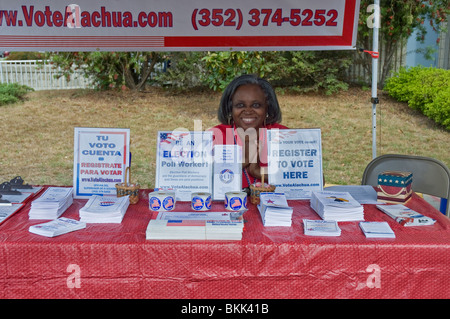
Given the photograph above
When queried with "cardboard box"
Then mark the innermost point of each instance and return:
(394, 187)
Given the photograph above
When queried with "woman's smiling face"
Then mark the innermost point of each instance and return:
(249, 106)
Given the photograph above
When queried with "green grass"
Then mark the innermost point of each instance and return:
(37, 134)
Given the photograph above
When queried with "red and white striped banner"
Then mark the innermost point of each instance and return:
(173, 25)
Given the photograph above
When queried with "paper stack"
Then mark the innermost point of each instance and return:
(274, 209)
(338, 206)
(376, 230)
(104, 209)
(57, 227)
(224, 229)
(195, 229)
(52, 203)
(321, 228)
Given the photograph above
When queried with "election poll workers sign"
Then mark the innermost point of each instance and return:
(184, 162)
(101, 156)
(174, 25)
(295, 161)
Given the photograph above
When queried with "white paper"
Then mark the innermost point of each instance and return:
(194, 229)
(338, 206)
(274, 209)
(52, 203)
(321, 228)
(57, 227)
(227, 170)
(363, 194)
(406, 216)
(104, 209)
(377, 229)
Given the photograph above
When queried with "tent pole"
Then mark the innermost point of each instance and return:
(375, 100)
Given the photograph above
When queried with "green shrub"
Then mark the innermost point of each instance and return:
(300, 71)
(304, 71)
(424, 89)
(222, 67)
(12, 92)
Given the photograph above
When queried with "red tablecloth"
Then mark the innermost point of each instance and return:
(116, 261)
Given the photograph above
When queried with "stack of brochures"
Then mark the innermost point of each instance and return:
(321, 228)
(377, 230)
(406, 216)
(195, 229)
(274, 209)
(338, 206)
(52, 203)
(57, 227)
(224, 229)
(104, 209)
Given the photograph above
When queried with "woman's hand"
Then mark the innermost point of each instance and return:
(255, 170)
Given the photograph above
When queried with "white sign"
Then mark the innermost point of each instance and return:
(184, 162)
(227, 170)
(173, 25)
(295, 161)
(101, 156)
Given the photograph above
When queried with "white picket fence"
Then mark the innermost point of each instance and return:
(39, 75)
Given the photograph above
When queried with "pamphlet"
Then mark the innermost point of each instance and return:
(104, 209)
(274, 209)
(321, 228)
(406, 216)
(52, 203)
(338, 206)
(377, 230)
(57, 227)
(195, 229)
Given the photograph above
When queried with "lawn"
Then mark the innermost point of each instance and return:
(37, 134)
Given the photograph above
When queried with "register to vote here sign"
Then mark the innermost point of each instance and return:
(295, 161)
(101, 156)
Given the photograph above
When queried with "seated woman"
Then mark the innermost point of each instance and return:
(248, 108)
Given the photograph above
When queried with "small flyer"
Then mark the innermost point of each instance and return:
(184, 162)
(295, 161)
(101, 156)
(227, 170)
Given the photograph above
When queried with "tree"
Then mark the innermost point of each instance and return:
(109, 69)
(399, 18)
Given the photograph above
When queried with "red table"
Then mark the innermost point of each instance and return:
(116, 261)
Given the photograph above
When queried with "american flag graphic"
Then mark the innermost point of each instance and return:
(187, 222)
(197, 203)
(169, 138)
(155, 203)
(168, 203)
(282, 134)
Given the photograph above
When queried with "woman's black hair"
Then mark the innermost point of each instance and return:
(225, 107)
